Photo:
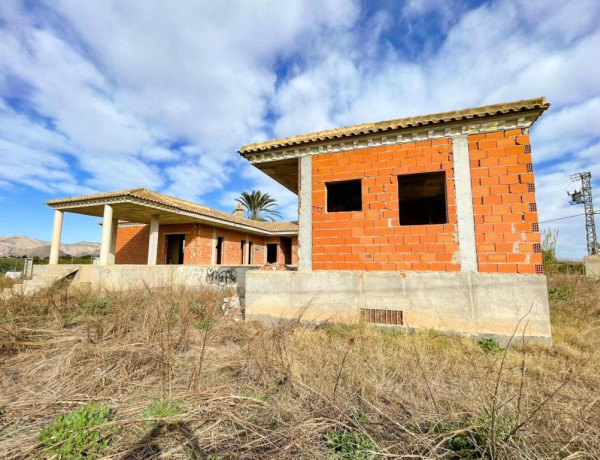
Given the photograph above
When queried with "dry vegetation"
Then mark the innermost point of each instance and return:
(182, 382)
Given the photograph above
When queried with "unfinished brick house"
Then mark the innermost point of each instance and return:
(427, 221)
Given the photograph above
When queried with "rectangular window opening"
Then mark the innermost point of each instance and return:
(250, 247)
(242, 248)
(344, 196)
(422, 198)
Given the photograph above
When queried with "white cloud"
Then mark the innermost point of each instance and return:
(162, 94)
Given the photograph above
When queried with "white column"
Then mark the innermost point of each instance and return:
(467, 249)
(107, 223)
(305, 214)
(56, 232)
(153, 239)
(113, 242)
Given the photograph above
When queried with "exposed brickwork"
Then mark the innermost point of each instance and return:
(372, 239)
(132, 245)
(506, 218)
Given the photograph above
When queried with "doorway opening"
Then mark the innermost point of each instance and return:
(271, 253)
(286, 249)
(220, 241)
(175, 249)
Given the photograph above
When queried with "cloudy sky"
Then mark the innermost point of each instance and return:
(105, 95)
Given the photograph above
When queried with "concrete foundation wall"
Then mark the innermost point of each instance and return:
(124, 277)
(480, 304)
(592, 267)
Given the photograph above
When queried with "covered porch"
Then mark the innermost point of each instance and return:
(155, 212)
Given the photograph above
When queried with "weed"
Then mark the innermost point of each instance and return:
(96, 307)
(350, 446)
(205, 324)
(161, 408)
(489, 346)
(560, 293)
(78, 434)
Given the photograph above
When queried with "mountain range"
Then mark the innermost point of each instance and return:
(17, 245)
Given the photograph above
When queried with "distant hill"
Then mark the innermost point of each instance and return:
(16, 245)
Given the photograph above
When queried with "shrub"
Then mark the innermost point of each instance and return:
(562, 293)
(350, 446)
(78, 434)
(489, 345)
(97, 307)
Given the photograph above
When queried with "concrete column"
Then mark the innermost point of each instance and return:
(213, 253)
(464, 204)
(305, 215)
(56, 232)
(113, 242)
(107, 223)
(153, 239)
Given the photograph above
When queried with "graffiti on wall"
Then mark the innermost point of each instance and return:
(221, 276)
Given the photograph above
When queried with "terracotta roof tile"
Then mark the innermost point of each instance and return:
(410, 122)
(179, 204)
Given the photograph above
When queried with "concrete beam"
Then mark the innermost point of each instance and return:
(56, 232)
(107, 223)
(305, 215)
(464, 205)
(153, 239)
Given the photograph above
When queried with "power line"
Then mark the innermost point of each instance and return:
(561, 218)
(566, 217)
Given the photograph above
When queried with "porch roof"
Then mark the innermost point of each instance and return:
(139, 204)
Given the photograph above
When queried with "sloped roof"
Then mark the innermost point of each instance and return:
(177, 204)
(400, 123)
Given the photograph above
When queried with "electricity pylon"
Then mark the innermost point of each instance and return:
(584, 196)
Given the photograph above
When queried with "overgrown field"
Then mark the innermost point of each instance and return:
(160, 374)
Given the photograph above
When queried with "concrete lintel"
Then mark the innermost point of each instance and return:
(305, 215)
(464, 204)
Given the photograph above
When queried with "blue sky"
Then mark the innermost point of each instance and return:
(105, 95)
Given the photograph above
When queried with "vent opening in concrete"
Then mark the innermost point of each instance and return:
(344, 196)
(378, 316)
(271, 253)
(422, 198)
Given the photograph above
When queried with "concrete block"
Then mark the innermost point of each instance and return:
(592, 266)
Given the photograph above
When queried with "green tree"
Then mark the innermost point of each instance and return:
(258, 205)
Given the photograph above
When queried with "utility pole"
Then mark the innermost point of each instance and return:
(584, 196)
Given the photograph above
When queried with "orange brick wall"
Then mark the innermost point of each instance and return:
(504, 203)
(132, 245)
(505, 214)
(372, 239)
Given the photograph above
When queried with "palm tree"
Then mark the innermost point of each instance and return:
(258, 205)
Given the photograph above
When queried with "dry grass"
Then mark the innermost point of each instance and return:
(246, 391)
